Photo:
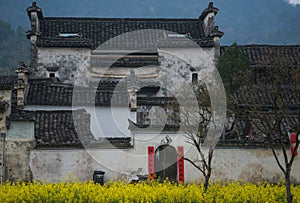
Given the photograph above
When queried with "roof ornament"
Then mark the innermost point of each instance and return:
(133, 87)
(132, 83)
(36, 9)
(216, 32)
(208, 10)
(22, 73)
(21, 84)
(167, 140)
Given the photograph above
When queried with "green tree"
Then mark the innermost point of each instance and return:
(232, 64)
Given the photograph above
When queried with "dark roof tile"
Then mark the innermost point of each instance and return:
(265, 55)
(262, 97)
(69, 128)
(56, 128)
(55, 93)
(95, 31)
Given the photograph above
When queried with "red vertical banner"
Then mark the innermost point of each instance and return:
(151, 162)
(293, 141)
(180, 152)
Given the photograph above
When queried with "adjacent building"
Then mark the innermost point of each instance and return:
(95, 99)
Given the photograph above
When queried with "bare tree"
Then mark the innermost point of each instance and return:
(272, 106)
(195, 120)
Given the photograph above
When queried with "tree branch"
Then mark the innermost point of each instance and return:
(195, 165)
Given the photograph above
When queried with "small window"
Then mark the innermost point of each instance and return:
(52, 75)
(176, 35)
(195, 78)
(69, 34)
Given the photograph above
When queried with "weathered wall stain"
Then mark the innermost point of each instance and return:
(72, 64)
(16, 159)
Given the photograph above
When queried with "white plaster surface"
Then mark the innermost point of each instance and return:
(73, 63)
(245, 164)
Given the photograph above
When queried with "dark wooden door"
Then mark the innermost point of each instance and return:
(166, 163)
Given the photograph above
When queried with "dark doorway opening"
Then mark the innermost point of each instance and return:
(166, 163)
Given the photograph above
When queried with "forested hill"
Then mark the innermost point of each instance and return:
(243, 21)
(14, 47)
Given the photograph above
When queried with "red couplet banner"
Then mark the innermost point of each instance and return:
(293, 141)
(180, 164)
(151, 162)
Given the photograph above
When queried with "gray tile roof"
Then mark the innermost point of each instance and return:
(49, 92)
(264, 55)
(93, 32)
(240, 135)
(131, 60)
(154, 101)
(235, 134)
(57, 129)
(180, 43)
(54, 93)
(22, 116)
(267, 54)
(263, 97)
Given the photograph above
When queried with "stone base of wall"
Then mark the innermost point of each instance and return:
(16, 159)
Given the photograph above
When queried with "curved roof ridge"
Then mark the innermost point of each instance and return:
(118, 18)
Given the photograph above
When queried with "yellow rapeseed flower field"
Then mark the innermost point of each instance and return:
(151, 191)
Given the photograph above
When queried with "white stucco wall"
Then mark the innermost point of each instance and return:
(176, 66)
(251, 165)
(209, 15)
(73, 63)
(196, 56)
(21, 129)
(245, 164)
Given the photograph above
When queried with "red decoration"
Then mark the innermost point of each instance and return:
(293, 149)
(151, 162)
(293, 140)
(180, 164)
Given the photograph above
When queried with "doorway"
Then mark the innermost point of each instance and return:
(166, 163)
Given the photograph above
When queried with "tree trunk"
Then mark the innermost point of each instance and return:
(289, 196)
(206, 182)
